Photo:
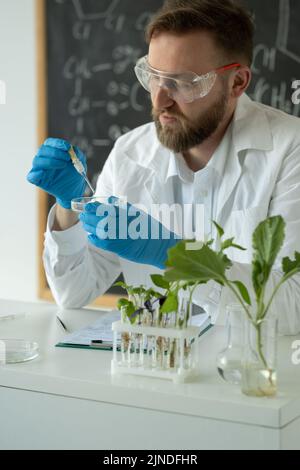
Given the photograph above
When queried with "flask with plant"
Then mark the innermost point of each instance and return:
(206, 264)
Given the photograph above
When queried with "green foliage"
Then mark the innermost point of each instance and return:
(267, 241)
(189, 268)
(170, 304)
(159, 281)
(229, 244)
(289, 266)
(206, 264)
(243, 291)
(198, 266)
(219, 229)
(128, 307)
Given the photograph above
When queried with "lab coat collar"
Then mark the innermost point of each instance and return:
(251, 128)
(250, 131)
(178, 168)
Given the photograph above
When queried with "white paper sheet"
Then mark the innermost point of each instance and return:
(101, 329)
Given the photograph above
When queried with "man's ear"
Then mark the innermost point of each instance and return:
(240, 81)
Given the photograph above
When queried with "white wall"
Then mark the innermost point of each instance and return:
(18, 142)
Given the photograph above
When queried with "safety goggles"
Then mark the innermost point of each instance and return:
(186, 87)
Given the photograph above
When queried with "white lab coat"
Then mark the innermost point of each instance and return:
(261, 178)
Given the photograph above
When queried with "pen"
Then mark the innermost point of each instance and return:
(100, 343)
(62, 323)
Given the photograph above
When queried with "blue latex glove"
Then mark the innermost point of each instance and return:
(53, 171)
(102, 222)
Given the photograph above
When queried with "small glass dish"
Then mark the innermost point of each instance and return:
(17, 350)
(78, 204)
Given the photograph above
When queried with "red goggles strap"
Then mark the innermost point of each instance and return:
(227, 67)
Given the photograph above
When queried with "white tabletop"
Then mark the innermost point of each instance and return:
(86, 374)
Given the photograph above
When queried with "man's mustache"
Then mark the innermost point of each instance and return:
(157, 114)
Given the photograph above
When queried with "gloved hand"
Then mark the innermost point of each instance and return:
(128, 232)
(53, 171)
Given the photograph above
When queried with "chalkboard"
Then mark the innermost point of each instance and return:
(91, 93)
(276, 64)
(93, 96)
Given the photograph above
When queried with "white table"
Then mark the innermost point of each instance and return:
(67, 398)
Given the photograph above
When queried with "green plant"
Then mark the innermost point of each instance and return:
(140, 298)
(169, 300)
(205, 264)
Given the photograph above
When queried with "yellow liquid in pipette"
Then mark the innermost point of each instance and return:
(79, 167)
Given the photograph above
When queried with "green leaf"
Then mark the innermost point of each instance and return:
(159, 281)
(199, 266)
(219, 229)
(122, 303)
(153, 293)
(267, 241)
(239, 247)
(120, 284)
(229, 244)
(243, 291)
(170, 304)
(130, 311)
(124, 286)
(129, 308)
(138, 290)
(289, 265)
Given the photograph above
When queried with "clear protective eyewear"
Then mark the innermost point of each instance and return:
(186, 87)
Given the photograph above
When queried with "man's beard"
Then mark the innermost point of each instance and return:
(185, 134)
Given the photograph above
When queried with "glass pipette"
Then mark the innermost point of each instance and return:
(79, 167)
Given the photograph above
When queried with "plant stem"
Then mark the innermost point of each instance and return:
(283, 280)
(188, 313)
(259, 345)
(260, 352)
(229, 285)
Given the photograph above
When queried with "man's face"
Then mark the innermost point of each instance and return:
(182, 126)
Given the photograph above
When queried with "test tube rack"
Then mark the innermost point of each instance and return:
(166, 353)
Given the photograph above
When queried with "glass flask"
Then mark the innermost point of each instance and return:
(229, 358)
(259, 358)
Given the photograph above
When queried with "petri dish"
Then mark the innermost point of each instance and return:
(17, 350)
(78, 204)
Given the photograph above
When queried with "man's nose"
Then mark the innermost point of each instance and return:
(161, 97)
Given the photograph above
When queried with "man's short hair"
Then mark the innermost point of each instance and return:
(229, 22)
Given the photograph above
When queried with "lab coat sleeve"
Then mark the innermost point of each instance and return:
(285, 201)
(77, 272)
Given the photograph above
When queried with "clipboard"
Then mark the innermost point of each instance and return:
(99, 335)
(103, 347)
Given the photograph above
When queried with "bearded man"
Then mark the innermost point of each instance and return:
(209, 146)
